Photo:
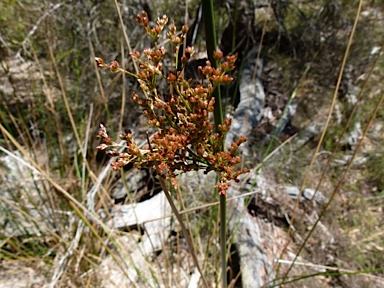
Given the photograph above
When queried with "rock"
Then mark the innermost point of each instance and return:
(135, 251)
(24, 80)
(308, 194)
(255, 266)
(23, 208)
(252, 97)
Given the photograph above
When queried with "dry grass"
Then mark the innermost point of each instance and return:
(53, 97)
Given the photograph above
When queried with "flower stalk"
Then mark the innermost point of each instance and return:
(185, 140)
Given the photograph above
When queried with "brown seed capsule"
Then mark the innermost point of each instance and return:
(100, 63)
(184, 29)
(114, 66)
(218, 55)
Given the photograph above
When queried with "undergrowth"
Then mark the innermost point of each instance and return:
(53, 97)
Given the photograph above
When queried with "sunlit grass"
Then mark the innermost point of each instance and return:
(57, 154)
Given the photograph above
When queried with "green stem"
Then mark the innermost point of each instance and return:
(210, 37)
(223, 239)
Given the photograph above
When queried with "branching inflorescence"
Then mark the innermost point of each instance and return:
(186, 140)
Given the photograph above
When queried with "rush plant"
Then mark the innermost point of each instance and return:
(186, 139)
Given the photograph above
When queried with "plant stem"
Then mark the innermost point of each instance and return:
(223, 238)
(210, 38)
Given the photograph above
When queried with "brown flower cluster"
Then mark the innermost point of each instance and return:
(186, 139)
